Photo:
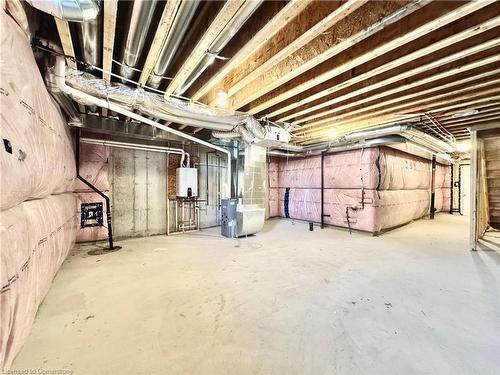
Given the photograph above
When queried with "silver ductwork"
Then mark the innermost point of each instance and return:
(69, 10)
(90, 41)
(180, 25)
(377, 136)
(140, 21)
(409, 132)
(231, 28)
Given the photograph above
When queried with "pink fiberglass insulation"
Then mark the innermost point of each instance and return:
(395, 186)
(37, 157)
(39, 216)
(93, 167)
(90, 234)
(377, 167)
(382, 210)
(35, 238)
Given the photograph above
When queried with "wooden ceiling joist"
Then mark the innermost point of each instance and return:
(468, 119)
(415, 84)
(384, 68)
(289, 12)
(229, 10)
(430, 104)
(316, 32)
(375, 17)
(108, 41)
(345, 127)
(67, 46)
(445, 74)
(446, 116)
(403, 38)
(431, 101)
(161, 35)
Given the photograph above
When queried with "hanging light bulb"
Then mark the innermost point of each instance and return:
(222, 99)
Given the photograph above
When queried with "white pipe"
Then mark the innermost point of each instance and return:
(61, 83)
(135, 146)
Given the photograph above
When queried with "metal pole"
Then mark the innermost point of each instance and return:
(322, 190)
(433, 187)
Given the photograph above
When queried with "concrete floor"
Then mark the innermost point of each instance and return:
(287, 301)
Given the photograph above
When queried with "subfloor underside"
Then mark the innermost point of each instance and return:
(286, 301)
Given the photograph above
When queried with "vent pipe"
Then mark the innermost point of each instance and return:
(180, 25)
(90, 34)
(140, 21)
(231, 28)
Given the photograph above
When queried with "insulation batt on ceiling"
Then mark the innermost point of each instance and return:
(395, 187)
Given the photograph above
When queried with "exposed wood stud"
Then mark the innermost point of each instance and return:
(455, 103)
(221, 20)
(67, 45)
(287, 51)
(380, 103)
(380, 50)
(109, 26)
(308, 57)
(386, 67)
(414, 106)
(291, 10)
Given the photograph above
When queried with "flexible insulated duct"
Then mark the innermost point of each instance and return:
(171, 109)
(69, 10)
(362, 138)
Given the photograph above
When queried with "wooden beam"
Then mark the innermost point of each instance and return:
(109, 27)
(317, 31)
(379, 97)
(289, 12)
(394, 118)
(229, 10)
(376, 18)
(67, 46)
(445, 116)
(453, 118)
(403, 37)
(392, 79)
(161, 35)
(471, 120)
(430, 104)
(414, 105)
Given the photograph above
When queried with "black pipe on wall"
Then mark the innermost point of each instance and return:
(104, 196)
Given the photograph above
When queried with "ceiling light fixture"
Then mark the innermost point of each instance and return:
(222, 99)
(332, 134)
